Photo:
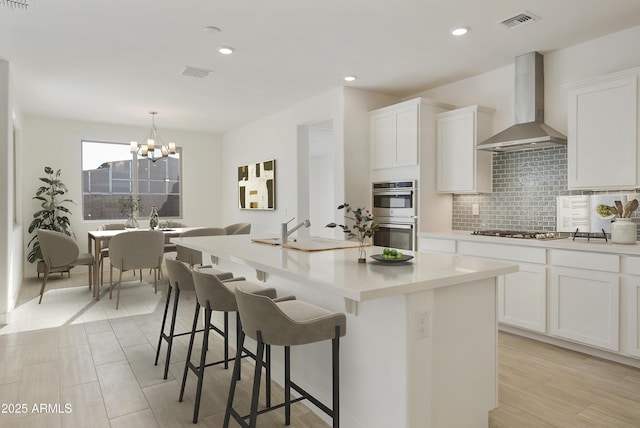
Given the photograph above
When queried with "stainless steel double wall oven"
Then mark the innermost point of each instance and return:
(395, 209)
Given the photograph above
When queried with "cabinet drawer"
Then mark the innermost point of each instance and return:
(584, 260)
(633, 265)
(439, 245)
(506, 252)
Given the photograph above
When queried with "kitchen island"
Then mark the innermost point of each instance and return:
(421, 342)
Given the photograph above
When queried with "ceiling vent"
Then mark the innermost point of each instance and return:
(16, 4)
(519, 20)
(196, 72)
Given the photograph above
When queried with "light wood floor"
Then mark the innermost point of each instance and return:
(104, 370)
(543, 386)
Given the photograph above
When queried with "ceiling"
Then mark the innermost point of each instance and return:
(114, 61)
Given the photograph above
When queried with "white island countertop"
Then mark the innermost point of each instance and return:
(339, 272)
(421, 341)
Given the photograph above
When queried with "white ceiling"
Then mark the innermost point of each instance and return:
(114, 61)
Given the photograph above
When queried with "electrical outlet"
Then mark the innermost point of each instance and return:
(475, 209)
(422, 325)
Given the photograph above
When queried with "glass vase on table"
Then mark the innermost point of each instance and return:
(131, 223)
(154, 219)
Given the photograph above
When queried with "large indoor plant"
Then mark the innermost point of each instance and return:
(53, 214)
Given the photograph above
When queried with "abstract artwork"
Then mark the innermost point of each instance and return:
(257, 186)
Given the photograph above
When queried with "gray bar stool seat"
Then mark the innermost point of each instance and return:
(285, 323)
(214, 294)
(181, 279)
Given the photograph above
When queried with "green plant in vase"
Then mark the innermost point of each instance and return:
(363, 227)
(130, 206)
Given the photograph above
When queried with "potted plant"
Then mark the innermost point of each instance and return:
(364, 226)
(53, 214)
(129, 206)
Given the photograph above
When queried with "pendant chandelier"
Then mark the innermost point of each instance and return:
(153, 148)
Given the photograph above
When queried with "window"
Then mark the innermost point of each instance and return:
(110, 172)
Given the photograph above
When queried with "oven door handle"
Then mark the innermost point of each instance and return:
(392, 193)
(396, 225)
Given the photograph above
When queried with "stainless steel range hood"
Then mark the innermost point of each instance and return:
(530, 131)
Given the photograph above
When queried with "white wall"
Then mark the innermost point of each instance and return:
(57, 143)
(10, 231)
(276, 137)
(614, 52)
(321, 181)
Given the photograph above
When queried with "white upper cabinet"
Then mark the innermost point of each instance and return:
(395, 136)
(461, 168)
(603, 132)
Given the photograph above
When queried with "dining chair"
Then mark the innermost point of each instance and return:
(170, 247)
(193, 257)
(104, 246)
(60, 250)
(238, 229)
(141, 249)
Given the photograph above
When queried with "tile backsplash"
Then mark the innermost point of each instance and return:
(525, 186)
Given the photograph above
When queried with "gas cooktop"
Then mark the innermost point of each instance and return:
(521, 234)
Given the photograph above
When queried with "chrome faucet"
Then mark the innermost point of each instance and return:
(284, 235)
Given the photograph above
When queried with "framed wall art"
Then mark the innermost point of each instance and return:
(257, 186)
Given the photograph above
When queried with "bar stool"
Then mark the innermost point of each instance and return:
(180, 278)
(285, 323)
(213, 294)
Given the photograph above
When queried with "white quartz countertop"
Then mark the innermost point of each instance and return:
(580, 244)
(339, 272)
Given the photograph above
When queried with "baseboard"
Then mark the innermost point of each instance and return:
(600, 353)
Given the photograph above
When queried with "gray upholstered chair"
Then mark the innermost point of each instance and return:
(140, 249)
(170, 247)
(59, 251)
(180, 279)
(213, 294)
(285, 323)
(238, 229)
(194, 257)
(104, 249)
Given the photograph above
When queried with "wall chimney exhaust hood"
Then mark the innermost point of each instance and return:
(530, 131)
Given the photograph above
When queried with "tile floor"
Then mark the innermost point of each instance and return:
(75, 362)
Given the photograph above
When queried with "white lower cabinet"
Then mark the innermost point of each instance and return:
(585, 297)
(585, 306)
(522, 298)
(633, 316)
(632, 299)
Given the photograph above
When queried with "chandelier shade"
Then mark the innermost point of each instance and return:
(153, 147)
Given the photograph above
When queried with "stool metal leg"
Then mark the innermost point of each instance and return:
(186, 364)
(256, 382)
(335, 364)
(287, 385)
(164, 320)
(267, 385)
(172, 329)
(234, 378)
(226, 340)
(239, 344)
(203, 358)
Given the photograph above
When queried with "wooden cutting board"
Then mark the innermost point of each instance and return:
(320, 244)
(310, 244)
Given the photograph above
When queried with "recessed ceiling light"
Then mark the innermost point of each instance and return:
(225, 50)
(211, 29)
(459, 31)
(350, 78)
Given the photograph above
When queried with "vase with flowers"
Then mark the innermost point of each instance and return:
(363, 227)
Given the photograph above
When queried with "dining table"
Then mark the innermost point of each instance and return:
(98, 238)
